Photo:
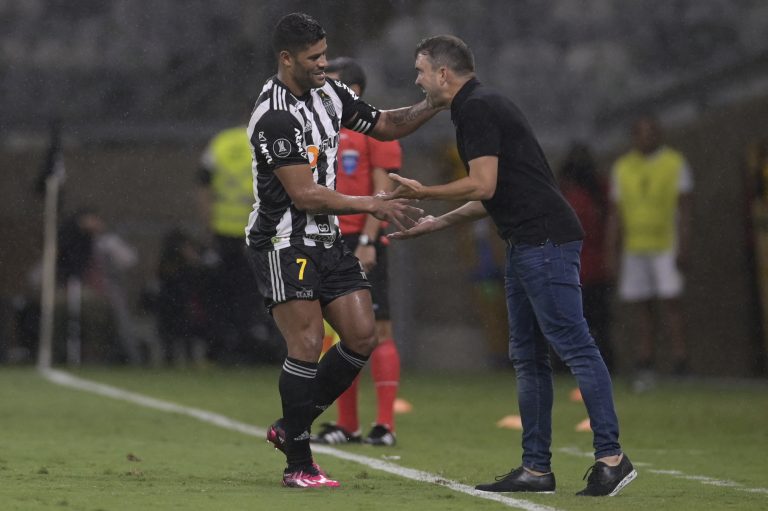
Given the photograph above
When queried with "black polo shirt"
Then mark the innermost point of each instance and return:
(527, 206)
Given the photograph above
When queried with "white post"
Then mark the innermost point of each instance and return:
(48, 293)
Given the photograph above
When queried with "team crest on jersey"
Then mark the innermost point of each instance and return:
(281, 147)
(328, 104)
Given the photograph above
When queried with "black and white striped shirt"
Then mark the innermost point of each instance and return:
(286, 130)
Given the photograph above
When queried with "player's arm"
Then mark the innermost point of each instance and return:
(308, 196)
(480, 184)
(469, 212)
(359, 116)
(394, 124)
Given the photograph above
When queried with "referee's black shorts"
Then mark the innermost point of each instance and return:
(300, 272)
(378, 277)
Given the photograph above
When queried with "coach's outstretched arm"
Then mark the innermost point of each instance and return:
(469, 212)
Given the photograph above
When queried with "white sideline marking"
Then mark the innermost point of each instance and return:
(724, 483)
(68, 380)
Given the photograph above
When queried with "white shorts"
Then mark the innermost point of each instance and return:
(648, 276)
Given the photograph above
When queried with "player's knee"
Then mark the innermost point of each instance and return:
(363, 344)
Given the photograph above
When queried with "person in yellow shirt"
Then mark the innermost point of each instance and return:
(242, 331)
(649, 226)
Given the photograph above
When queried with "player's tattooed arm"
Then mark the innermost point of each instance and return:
(403, 121)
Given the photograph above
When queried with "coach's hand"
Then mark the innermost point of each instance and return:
(406, 189)
(425, 225)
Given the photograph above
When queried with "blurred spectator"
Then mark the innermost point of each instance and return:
(587, 193)
(650, 193)
(243, 331)
(90, 267)
(183, 320)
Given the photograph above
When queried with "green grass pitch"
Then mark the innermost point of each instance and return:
(697, 445)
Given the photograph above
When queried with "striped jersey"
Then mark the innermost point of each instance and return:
(288, 130)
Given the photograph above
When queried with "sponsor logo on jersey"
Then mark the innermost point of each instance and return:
(281, 147)
(313, 153)
(262, 138)
(265, 151)
(344, 86)
(306, 294)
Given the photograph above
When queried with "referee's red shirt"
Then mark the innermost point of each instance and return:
(358, 156)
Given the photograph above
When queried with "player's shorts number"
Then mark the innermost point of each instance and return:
(302, 262)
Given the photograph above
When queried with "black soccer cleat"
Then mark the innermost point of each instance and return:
(331, 434)
(520, 480)
(380, 435)
(607, 481)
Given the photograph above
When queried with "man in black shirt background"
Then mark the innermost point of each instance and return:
(510, 180)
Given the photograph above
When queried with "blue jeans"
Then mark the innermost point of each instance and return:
(542, 285)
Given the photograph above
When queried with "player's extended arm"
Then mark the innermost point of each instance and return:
(480, 184)
(398, 123)
(308, 196)
(469, 212)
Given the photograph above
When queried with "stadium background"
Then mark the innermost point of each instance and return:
(142, 85)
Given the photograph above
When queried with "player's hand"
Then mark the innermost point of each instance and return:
(406, 189)
(367, 256)
(397, 211)
(425, 225)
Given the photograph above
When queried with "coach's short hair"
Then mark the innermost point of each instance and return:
(448, 51)
(350, 72)
(296, 31)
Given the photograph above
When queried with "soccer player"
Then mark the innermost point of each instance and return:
(303, 269)
(510, 180)
(364, 167)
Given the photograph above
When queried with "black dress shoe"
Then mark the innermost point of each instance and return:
(521, 480)
(607, 481)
